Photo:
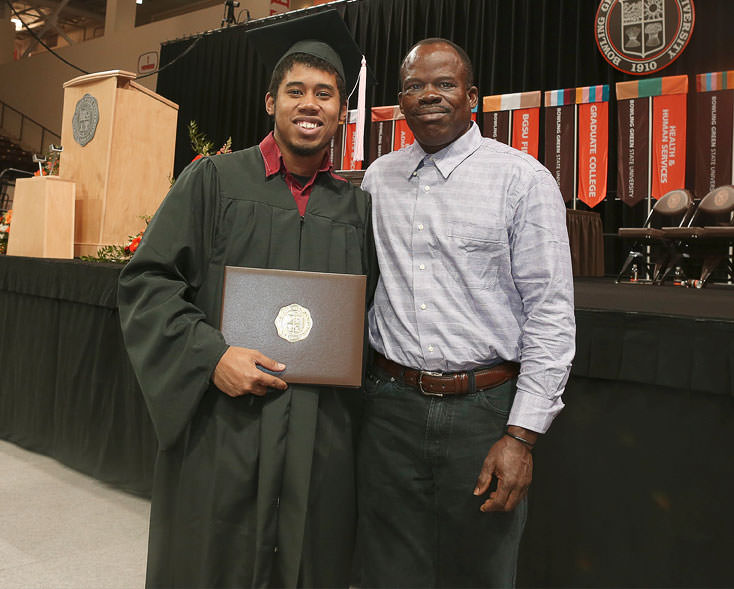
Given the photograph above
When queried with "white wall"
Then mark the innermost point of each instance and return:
(34, 85)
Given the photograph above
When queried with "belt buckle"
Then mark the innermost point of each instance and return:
(420, 383)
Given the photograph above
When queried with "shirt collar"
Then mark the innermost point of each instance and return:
(273, 158)
(447, 159)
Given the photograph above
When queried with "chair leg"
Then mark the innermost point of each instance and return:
(633, 255)
(659, 255)
(673, 262)
(710, 263)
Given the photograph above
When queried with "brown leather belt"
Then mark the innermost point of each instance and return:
(448, 383)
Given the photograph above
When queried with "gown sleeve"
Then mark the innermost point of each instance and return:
(369, 257)
(172, 345)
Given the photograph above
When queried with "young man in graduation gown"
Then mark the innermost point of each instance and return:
(254, 482)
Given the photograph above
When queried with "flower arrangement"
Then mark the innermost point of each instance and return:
(119, 254)
(201, 144)
(5, 230)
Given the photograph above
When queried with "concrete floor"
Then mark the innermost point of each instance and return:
(61, 529)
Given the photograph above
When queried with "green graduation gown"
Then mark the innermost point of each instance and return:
(250, 491)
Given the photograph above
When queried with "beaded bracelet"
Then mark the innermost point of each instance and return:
(520, 439)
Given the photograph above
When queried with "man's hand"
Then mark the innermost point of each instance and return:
(237, 373)
(511, 462)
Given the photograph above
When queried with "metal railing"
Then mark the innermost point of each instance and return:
(7, 186)
(29, 134)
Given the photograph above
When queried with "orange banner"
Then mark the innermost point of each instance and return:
(669, 143)
(526, 130)
(403, 134)
(348, 162)
(593, 152)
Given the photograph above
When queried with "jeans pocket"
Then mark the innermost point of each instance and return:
(498, 399)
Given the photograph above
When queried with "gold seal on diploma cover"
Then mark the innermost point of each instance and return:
(293, 323)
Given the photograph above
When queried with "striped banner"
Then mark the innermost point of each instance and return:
(576, 141)
(581, 95)
(385, 113)
(560, 97)
(560, 143)
(662, 100)
(714, 131)
(652, 87)
(593, 143)
(633, 150)
(589, 94)
(714, 81)
(511, 101)
(513, 119)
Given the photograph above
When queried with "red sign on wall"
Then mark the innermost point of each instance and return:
(148, 62)
(279, 6)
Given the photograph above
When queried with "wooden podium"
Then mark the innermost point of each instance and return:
(43, 218)
(118, 139)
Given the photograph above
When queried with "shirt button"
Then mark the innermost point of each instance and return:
(422, 266)
(423, 306)
(420, 226)
(430, 348)
(426, 188)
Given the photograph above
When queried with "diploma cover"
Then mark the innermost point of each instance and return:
(313, 322)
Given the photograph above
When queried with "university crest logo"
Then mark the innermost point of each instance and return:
(85, 119)
(643, 36)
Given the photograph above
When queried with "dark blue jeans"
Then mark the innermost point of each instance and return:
(419, 458)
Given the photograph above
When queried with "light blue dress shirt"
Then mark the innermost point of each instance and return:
(475, 267)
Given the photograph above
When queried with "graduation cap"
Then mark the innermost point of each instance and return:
(323, 35)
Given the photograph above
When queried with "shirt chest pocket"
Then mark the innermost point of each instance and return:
(475, 255)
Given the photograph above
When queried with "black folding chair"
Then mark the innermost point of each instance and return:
(674, 207)
(706, 240)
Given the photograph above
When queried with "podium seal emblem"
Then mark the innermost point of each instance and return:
(86, 117)
(294, 323)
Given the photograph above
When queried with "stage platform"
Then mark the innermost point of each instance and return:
(602, 294)
(632, 484)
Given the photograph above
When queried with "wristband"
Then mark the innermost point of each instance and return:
(520, 439)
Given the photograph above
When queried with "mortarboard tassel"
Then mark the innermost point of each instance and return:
(361, 108)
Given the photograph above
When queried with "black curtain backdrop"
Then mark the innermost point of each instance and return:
(515, 45)
(67, 388)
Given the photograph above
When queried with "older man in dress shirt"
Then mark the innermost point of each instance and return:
(473, 335)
